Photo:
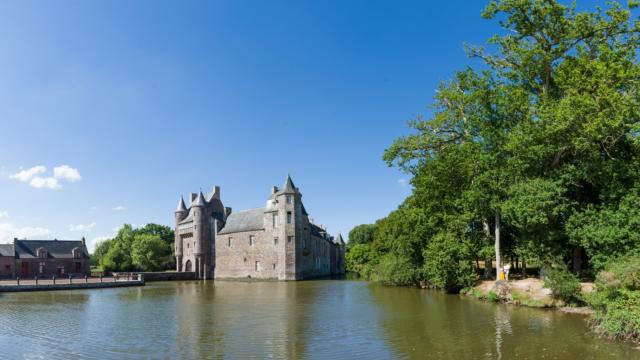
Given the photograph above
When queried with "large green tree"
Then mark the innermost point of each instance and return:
(535, 156)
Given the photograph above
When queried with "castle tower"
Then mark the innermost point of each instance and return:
(289, 205)
(201, 236)
(181, 214)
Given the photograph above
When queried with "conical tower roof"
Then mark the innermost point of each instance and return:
(199, 200)
(288, 186)
(339, 239)
(181, 206)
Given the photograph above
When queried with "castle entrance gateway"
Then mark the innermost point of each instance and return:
(187, 266)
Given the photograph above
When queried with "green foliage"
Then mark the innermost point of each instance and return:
(394, 270)
(492, 296)
(446, 264)
(144, 249)
(563, 284)
(543, 143)
(149, 252)
(361, 234)
(616, 300)
(357, 257)
(609, 231)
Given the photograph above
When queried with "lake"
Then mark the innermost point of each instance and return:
(323, 319)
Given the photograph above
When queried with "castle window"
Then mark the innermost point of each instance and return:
(304, 244)
(42, 253)
(41, 268)
(274, 220)
(252, 240)
(289, 199)
(289, 239)
(274, 266)
(76, 253)
(257, 265)
(289, 217)
(275, 241)
(230, 240)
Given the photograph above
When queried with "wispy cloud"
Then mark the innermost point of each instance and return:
(119, 208)
(82, 227)
(403, 182)
(62, 172)
(4, 214)
(10, 231)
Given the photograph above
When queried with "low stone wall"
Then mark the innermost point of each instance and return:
(76, 286)
(163, 276)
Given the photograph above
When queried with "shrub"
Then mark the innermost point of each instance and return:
(563, 284)
(445, 264)
(357, 257)
(616, 300)
(394, 270)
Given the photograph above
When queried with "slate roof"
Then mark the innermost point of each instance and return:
(60, 249)
(7, 250)
(245, 220)
(199, 200)
(316, 230)
(181, 207)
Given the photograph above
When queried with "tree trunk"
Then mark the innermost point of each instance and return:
(497, 245)
(577, 260)
(488, 259)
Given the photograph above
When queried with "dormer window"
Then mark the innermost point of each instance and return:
(289, 199)
(42, 253)
(77, 254)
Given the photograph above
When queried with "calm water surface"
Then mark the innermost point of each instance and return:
(302, 320)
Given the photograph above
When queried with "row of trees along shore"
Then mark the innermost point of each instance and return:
(532, 159)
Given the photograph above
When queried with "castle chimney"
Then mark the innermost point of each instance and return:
(83, 241)
(274, 190)
(216, 192)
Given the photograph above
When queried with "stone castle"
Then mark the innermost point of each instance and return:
(278, 241)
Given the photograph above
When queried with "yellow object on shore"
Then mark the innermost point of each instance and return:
(501, 275)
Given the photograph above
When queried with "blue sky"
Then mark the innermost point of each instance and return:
(128, 104)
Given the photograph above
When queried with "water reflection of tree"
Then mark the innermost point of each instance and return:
(421, 323)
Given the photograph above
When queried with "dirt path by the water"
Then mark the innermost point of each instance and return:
(527, 292)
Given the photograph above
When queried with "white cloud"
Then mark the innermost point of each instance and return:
(119, 208)
(45, 183)
(26, 175)
(4, 214)
(9, 231)
(82, 227)
(402, 182)
(62, 172)
(66, 172)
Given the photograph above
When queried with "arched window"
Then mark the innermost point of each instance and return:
(77, 254)
(41, 253)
